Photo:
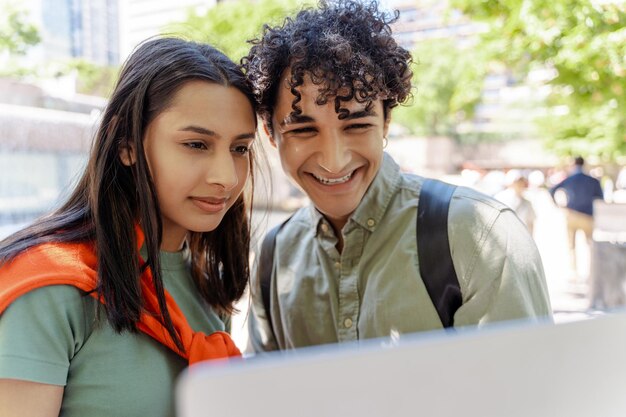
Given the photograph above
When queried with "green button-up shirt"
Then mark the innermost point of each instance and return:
(374, 288)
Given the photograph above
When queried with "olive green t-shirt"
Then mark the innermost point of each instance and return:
(50, 335)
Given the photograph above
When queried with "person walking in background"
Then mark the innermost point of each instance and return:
(104, 302)
(513, 196)
(576, 194)
(346, 267)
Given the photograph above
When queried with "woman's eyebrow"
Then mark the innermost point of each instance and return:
(204, 131)
(198, 129)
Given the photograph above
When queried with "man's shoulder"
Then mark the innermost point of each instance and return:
(475, 198)
(470, 209)
(466, 201)
(591, 180)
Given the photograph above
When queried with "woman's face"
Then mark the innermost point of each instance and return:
(198, 152)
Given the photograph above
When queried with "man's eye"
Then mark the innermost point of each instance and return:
(359, 126)
(301, 131)
(195, 145)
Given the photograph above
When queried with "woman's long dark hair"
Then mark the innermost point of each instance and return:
(112, 197)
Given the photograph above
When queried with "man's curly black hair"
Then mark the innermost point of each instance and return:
(345, 46)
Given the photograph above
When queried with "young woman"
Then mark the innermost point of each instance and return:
(106, 300)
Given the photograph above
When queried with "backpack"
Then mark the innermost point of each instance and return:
(435, 260)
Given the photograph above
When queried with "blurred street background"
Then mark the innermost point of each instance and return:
(503, 91)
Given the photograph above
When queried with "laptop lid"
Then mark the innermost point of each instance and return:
(514, 369)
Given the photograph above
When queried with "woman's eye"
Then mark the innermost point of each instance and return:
(241, 149)
(195, 145)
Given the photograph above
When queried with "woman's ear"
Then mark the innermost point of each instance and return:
(127, 153)
(125, 150)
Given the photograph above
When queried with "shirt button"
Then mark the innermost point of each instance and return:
(338, 265)
(347, 323)
(324, 228)
(371, 222)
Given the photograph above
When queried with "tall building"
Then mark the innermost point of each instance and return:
(75, 29)
(141, 19)
(431, 19)
(98, 36)
(58, 22)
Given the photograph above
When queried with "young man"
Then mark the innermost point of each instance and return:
(346, 268)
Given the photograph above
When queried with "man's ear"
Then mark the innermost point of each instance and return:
(267, 130)
(127, 153)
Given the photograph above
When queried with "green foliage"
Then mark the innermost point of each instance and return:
(584, 43)
(16, 33)
(93, 79)
(229, 25)
(448, 83)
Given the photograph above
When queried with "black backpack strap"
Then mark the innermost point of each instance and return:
(433, 249)
(266, 264)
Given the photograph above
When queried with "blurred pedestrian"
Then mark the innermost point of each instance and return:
(576, 194)
(514, 197)
(619, 194)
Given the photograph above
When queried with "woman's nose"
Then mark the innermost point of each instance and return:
(223, 172)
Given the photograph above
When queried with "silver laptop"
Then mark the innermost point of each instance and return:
(575, 369)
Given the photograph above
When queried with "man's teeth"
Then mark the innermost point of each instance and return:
(332, 181)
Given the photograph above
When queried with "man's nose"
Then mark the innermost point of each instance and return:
(334, 155)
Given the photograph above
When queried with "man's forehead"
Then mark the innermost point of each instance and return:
(310, 87)
(312, 92)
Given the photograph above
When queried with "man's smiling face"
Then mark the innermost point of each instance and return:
(333, 160)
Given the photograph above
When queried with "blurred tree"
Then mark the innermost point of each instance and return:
(582, 43)
(91, 78)
(229, 25)
(17, 34)
(448, 83)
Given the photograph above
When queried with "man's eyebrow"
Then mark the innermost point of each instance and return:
(300, 118)
(360, 114)
(293, 119)
(204, 131)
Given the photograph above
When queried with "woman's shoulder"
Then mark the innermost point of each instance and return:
(51, 303)
(45, 265)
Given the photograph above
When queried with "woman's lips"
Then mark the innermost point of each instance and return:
(210, 204)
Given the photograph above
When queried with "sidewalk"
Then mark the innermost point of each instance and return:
(569, 290)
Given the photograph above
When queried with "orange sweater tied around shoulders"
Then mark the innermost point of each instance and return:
(75, 264)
